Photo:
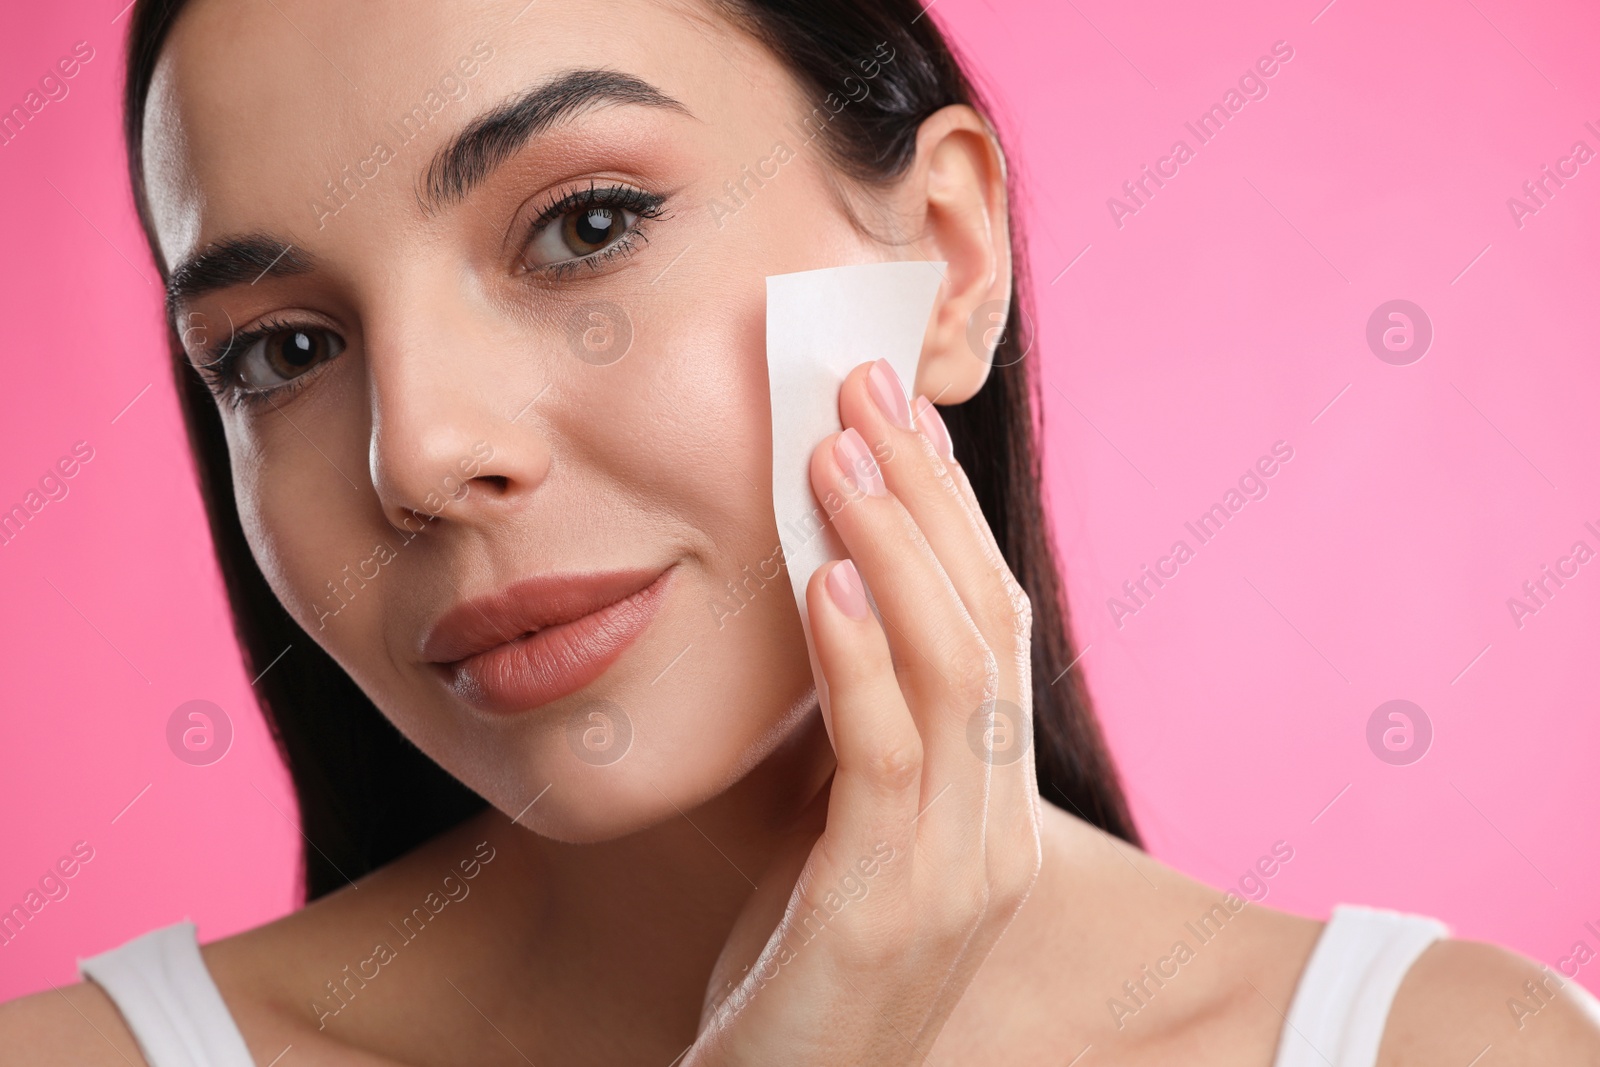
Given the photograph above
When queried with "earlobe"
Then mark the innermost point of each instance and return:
(959, 188)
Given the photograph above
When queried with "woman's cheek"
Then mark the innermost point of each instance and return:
(304, 536)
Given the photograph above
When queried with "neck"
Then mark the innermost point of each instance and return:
(668, 894)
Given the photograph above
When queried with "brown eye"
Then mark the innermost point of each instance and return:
(591, 229)
(286, 354)
(581, 232)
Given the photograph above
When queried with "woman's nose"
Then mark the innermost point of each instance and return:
(450, 440)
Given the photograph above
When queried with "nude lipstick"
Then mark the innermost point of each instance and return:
(541, 638)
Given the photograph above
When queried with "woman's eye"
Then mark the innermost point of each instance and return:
(286, 354)
(578, 233)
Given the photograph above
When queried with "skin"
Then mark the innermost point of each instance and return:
(620, 906)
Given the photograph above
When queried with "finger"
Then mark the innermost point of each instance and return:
(928, 422)
(931, 489)
(1017, 748)
(943, 666)
(873, 801)
(936, 647)
(935, 492)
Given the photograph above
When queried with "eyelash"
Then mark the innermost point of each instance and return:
(220, 369)
(645, 205)
(221, 366)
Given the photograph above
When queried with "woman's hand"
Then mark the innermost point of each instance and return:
(931, 840)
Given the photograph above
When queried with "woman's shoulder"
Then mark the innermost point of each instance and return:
(280, 983)
(1465, 999)
(69, 1024)
(271, 980)
(1247, 963)
(82, 1023)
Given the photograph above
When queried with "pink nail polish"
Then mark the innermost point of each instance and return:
(929, 422)
(856, 460)
(884, 384)
(844, 585)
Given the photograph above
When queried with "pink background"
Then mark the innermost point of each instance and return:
(1224, 316)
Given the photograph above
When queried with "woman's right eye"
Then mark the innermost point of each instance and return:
(579, 233)
(281, 355)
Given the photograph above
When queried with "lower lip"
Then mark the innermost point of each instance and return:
(532, 671)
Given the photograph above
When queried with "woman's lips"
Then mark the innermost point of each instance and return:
(601, 615)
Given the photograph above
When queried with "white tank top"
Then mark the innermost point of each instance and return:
(160, 984)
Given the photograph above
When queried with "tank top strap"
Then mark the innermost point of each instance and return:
(1341, 1003)
(160, 984)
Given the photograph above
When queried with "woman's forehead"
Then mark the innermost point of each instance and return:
(259, 109)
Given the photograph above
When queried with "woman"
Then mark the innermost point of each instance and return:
(559, 807)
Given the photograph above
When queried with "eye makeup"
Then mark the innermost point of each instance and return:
(586, 216)
(610, 217)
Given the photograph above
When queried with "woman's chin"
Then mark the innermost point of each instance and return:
(587, 806)
(577, 793)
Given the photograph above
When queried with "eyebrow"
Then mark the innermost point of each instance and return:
(232, 261)
(455, 170)
(498, 134)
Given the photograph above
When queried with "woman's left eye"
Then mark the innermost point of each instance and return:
(578, 233)
(278, 356)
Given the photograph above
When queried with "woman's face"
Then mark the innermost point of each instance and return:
(460, 363)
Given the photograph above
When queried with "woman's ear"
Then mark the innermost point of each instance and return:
(956, 190)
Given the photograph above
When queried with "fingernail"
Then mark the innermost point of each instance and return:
(929, 422)
(886, 389)
(844, 585)
(856, 459)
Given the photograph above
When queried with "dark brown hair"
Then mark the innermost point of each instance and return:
(366, 794)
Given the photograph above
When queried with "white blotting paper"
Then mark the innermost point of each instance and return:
(820, 325)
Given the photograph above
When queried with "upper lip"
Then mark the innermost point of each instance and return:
(532, 604)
